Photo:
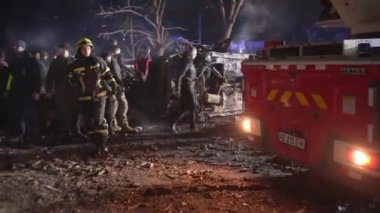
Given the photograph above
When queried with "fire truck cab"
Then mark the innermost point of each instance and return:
(318, 105)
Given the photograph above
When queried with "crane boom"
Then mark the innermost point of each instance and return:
(361, 16)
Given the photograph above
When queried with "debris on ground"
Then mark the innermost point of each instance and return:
(218, 172)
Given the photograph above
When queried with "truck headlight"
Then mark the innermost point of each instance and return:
(251, 125)
(246, 125)
(362, 158)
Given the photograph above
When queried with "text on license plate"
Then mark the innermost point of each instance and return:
(291, 140)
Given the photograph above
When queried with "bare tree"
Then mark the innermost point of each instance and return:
(145, 25)
(227, 12)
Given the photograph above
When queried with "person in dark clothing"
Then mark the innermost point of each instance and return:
(143, 65)
(4, 73)
(113, 47)
(45, 63)
(87, 74)
(186, 90)
(4, 91)
(25, 91)
(44, 104)
(119, 56)
(57, 86)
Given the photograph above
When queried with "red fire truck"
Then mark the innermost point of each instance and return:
(318, 104)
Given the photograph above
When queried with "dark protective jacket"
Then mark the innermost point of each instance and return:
(88, 74)
(119, 57)
(57, 76)
(26, 75)
(116, 71)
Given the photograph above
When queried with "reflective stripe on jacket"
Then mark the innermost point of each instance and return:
(87, 74)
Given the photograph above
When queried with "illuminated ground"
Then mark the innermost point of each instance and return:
(213, 171)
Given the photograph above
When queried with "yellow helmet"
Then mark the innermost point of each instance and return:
(84, 41)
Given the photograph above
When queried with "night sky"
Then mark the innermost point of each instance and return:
(45, 23)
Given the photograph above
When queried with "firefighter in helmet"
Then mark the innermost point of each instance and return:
(87, 73)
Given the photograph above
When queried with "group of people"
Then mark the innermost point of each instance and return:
(88, 92)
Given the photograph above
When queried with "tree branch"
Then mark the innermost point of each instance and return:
(141, 41)
(235, 12)
(175, 28)
(125, 32)
(111, 33)
(130, 10)
(222, 11)
(232, 10)
(162, 9)
(154, 31)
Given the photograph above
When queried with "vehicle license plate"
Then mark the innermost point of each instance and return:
(291, 140)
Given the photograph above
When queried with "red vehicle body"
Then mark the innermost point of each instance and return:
(320, 106)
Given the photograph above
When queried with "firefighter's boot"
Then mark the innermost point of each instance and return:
(126, 128)
(101, 146)
(114, 127)
(101, 137)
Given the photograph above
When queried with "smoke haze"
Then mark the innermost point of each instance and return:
(276, 19)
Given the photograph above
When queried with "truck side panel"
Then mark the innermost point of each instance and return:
(305, 108)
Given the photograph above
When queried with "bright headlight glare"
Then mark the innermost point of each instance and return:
(361, 158)
(246, 125)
